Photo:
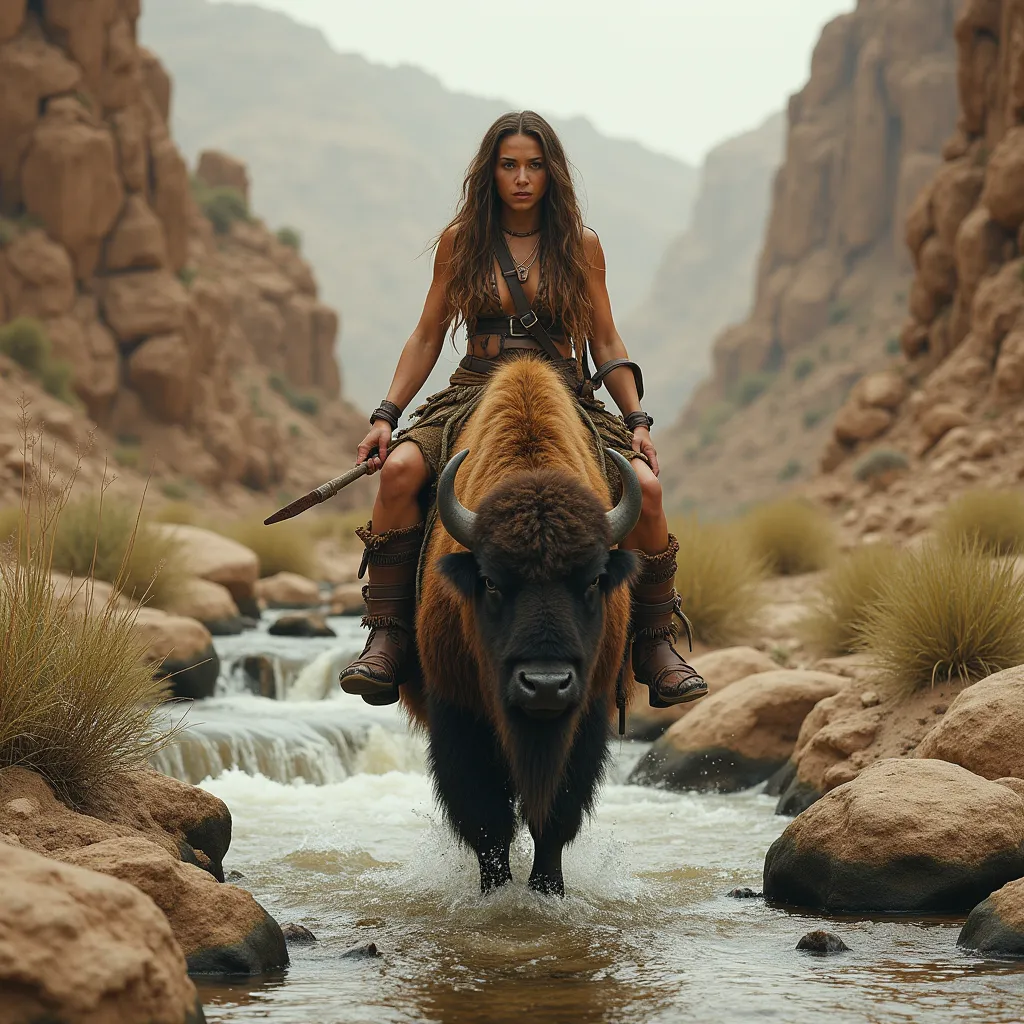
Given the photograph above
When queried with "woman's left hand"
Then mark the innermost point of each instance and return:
(642, 443)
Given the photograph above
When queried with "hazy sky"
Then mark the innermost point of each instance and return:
(677, 75)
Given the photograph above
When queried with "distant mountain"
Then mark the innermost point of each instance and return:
(706, 277)
(366, 161)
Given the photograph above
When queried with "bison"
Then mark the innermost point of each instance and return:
(523, 623)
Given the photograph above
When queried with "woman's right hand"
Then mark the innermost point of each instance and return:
(373, 449)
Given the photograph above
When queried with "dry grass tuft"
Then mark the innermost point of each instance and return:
(77, 702)
(847, 594)
(788, 537)
(718, 583)
(284, 547)
(951, 613)
(178, 513)
(993, 520)
(105, 537)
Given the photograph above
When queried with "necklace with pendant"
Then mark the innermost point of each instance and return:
(523, 269)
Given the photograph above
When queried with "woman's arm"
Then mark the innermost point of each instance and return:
(418, 358)
(605, 344)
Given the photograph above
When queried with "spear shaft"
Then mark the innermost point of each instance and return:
(317, 495)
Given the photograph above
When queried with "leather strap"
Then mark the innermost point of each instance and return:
(613, 364)
(506, 326)
(528, 320)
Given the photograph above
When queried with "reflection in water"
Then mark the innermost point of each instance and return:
(646, 933)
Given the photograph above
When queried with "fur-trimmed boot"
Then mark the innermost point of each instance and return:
(390, 598)
(656, 663)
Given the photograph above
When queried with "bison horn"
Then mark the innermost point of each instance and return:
(457, 519)
(626, 514)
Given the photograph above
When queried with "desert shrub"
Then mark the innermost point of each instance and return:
(893, 346)
(77, 701)
(790, 470)
(128, 455)
(57, 377)
(222, 205)
(284, 547)
(788, 537)
(992, 520)
(803, 368)
(105, 537)
(718, 583)
(25, 341)
(951, 613)
(812, 417)
(290, 237)
(307, 404)
(850, 589)
(878, 462)
(751, 387)
(174, 490)
(838, 312)
(187, 275)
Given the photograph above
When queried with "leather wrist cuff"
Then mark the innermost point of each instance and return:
(388, 412)
(639, 419)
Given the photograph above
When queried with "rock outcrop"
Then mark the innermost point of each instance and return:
(175, 335)
(995, 927)
(963, 348)
(905, 836)
(79, 946)
(739, 736)
(865, 134)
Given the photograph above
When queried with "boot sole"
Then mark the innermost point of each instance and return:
(659, 704)
(364, 686)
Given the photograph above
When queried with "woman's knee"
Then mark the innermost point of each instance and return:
(404, 473)
(650, 488)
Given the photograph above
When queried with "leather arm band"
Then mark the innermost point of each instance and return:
(613, 364)
(638, 419)
(388, 412)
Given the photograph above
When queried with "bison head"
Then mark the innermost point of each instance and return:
(539, 566)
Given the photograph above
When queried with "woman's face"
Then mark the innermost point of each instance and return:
(521, 172)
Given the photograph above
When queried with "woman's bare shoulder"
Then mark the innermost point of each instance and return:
(592, 247)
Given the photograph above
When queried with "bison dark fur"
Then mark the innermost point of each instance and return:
(539, 597)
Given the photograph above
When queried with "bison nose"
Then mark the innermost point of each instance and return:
(545, 687)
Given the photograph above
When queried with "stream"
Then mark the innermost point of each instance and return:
(335, 828)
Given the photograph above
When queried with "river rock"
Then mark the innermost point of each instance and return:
(77, 946)
(288, 590)
(301, 625)
(221, 929)
(982, 730)
(347, 599)
(905, 836)
(995, 927)
(181, 649)
(297, 934)
(208, 602)
(260, 675)
(738, 737)
(719, 668)
(219, 559)
(822, 942)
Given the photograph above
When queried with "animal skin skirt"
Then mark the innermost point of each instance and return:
(435, 426)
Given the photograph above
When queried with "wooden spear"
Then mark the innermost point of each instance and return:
(317, 495)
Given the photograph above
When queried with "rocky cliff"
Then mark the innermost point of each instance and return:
(706, 276)
(957, 421)
(196, 343)
(865, 135)
(366, 162)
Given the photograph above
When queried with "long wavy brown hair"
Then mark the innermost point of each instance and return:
(477, 225)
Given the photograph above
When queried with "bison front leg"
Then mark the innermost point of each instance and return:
(473, 786)
(575, 798)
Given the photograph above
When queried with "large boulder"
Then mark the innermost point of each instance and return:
(160, 371)
(739, 736)
(81, 947)
(180, 649)
(995, 927)
(221, 560)
(905, 836)
(221, 929)
(288, 590)
(137, 241)
(141, 304)
(40, 279)
(982, 730)
(719, 668)
(208, 602)
(219, 170)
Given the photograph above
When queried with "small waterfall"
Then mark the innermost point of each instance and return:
(316, 742)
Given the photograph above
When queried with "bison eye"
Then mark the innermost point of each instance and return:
(595, 583)
(492, 587)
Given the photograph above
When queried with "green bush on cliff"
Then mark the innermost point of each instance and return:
(877, 463)
(77, 701)
(106, 538)
(25, 341)
(751, 387)
(952, 612)
(994, 520)
(221, 205)
(835, 622)
(290, 237)
(284, 547)
(717, 582)
(788, 537)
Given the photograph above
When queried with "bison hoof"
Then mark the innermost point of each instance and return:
(548, 885)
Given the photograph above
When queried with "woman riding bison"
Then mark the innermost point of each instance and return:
(519, 270)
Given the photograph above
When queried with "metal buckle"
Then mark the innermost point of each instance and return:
(531, 323)
(512, 333)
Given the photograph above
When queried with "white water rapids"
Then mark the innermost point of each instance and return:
(335, 827)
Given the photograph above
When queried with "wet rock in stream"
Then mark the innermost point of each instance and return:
(744, 893)
(822, 943)
(297, 934)
(301, 625)
(364, 951)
